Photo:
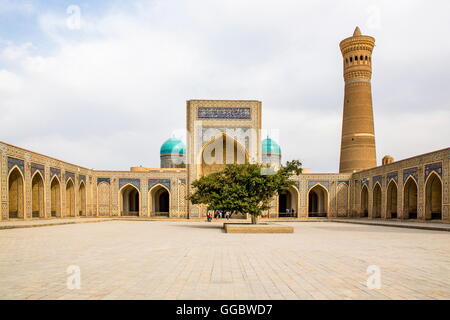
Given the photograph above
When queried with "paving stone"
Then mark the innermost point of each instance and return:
(185, 260)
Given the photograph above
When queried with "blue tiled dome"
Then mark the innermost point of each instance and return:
(173, 146)
(270, 146)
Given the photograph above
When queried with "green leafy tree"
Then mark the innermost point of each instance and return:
(244, 188)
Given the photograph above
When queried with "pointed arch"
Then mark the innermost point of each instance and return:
(159, 201)
(317, 201)
(391, 199)
(433, 196)
(288, 202)
(37, 195)
(410, 191)
(364, 201)
(376, 203)
(130, 200)
(70, 198)
(55, 197)
(37, 172)
(82, 199)
(16, 194)
(215, 154)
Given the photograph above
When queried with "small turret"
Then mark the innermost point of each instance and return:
(387, 160)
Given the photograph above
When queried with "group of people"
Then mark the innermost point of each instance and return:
(218, 214)
(290, 212)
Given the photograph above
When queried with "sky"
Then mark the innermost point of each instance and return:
(104, 83)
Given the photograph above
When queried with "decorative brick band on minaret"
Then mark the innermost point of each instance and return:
(358, 134)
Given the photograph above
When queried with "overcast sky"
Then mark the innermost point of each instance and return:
(105, 91)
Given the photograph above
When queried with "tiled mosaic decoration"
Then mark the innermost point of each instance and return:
(224, 113)
(16, 162)
(154, 182)
(134, 182)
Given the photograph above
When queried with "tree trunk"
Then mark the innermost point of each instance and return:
(254, 219)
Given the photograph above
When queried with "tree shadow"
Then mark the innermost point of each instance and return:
(217, 226)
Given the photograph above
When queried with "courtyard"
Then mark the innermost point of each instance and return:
(196, 260)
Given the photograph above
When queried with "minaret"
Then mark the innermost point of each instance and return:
(358, 134)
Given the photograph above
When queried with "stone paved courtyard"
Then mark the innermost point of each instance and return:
(196, 260)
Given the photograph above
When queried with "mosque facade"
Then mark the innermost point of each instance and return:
(35, 186)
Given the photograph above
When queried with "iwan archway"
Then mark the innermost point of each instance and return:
(288, 203)
(318, 201)
(37, 196)
(82, 199)
(364, 201)
(70, 199)
(410, 199)
(433, 197)
(55, 198)
(129, 201)
(376, 205)
(391, 195)
(219, 152)
(16, 194)
(159, 201)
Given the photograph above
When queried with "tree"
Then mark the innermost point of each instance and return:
(244, 188)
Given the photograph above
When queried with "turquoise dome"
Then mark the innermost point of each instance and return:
(270, 146)
(173, 146)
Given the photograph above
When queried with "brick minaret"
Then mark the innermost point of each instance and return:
(358, 134)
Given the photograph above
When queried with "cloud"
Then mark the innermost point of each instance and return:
(10, 83)
(12, 6)
(108, 95)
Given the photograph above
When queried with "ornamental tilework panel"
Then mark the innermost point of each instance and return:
(378, 179)
(342, 199)
(390, 176)
(364, 181)
(82, 178)
(223, 113)
(413, 172)
(134, 182)
(297, 184)
(182, 196)
(16, 162)
(70, 175)
(183, 181)
(325, 184)
(37, 167)
(437, 167)
(154, 182)
(55, 172)
(100, 180)
(104, 199)
(344, 181)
